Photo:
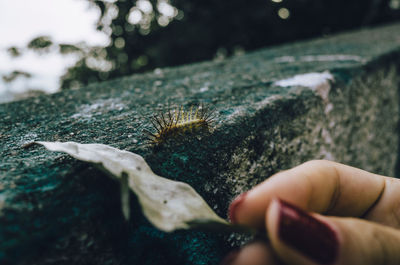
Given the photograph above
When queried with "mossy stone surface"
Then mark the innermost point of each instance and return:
(56, 210)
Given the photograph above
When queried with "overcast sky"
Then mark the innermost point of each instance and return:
(67, 21)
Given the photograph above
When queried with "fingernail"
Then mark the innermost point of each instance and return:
(234, 206)
(230, 258)
(308, 235)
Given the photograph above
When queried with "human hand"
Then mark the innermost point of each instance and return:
(343, 215)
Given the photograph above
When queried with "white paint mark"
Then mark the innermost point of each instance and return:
(204, 89)
(318, 82)
(311, 80)
(99, 107)
(326, 136)
(331, 58)
(30, 136)
(285, 59)
(321, 58)
(27, 138)
(328, 108)
(86, 111)
(267, 101)
(239, 111)
(158, 71)
(327, 155)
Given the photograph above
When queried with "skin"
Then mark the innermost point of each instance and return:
(361, 207)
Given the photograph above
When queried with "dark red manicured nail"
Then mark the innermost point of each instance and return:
(234, 206)
(308, 235)
(230, 258)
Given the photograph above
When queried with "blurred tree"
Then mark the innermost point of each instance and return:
(40, 44)
(69, 48)
(14, 75)
(145, 34)
(14, 51)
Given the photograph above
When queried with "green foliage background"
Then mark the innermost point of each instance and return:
(174, 32)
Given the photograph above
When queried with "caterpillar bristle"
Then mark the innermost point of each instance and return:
(154, 123)
(158, 122)
(163, 118)
(149, 133)
(178, 122)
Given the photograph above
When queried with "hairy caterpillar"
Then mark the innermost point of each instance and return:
(179, 122)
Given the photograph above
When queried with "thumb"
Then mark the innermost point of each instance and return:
(298, 237)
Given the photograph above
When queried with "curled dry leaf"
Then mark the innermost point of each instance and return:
(167, 204)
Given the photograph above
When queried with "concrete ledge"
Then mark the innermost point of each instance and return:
(331, 98)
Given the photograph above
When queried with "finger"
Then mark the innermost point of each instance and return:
(256, 253)
(386, 210)
(318, 186)
(298, 237)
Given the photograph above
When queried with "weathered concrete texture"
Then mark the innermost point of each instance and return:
(333, 98)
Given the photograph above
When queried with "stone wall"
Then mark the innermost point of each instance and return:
(331, 98)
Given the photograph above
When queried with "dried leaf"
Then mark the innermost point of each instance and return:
(168, 204)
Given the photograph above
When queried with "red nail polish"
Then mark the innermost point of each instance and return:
(234, 206)
(308, 235)
(230, 258)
